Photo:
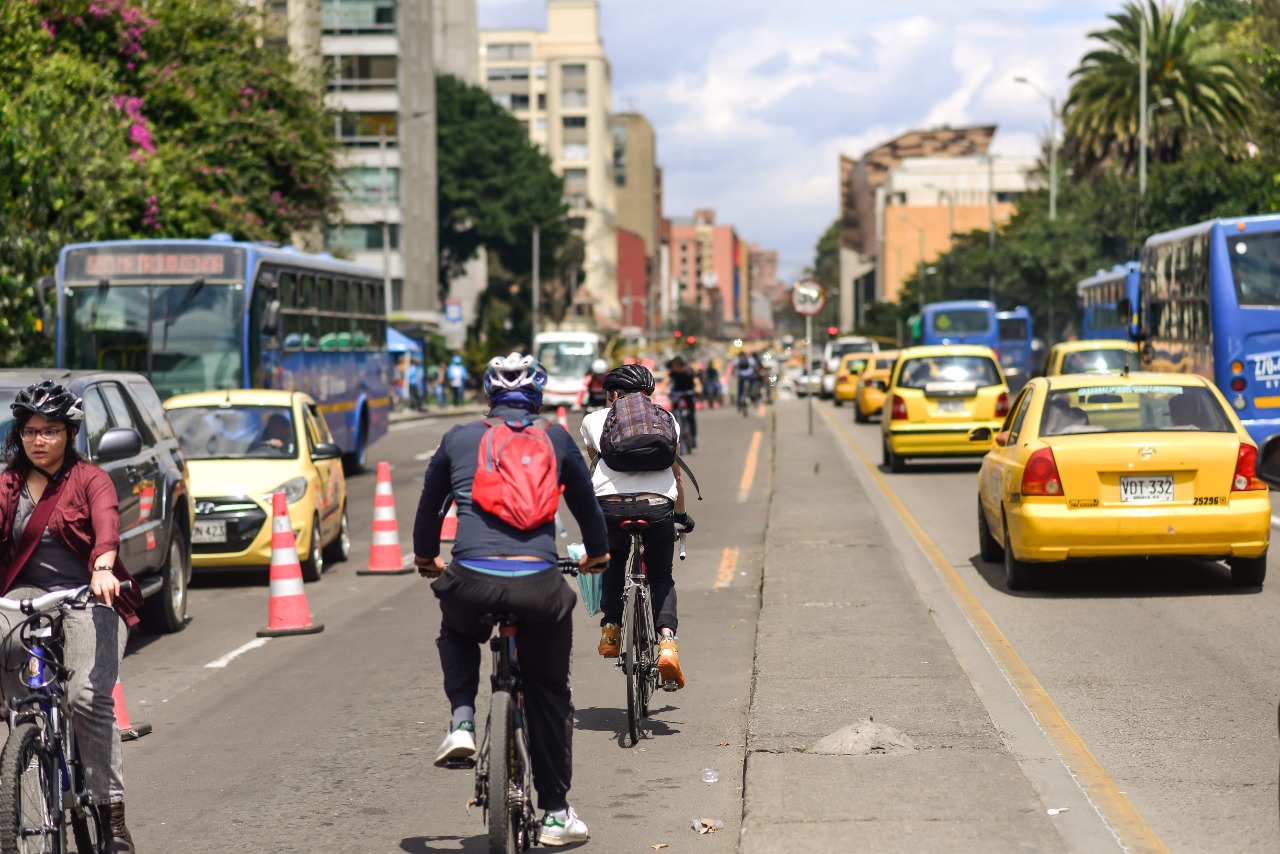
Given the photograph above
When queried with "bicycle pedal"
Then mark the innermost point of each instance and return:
(460, 764)
(670, 687)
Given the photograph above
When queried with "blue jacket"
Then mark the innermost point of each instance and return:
(481, 534)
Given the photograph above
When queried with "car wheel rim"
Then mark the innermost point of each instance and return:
(177, 580)
(317, 556)
(344, 535)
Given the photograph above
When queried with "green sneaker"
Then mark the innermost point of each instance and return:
(562, 828)
(458, 746)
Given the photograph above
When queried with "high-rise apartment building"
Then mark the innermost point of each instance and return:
(711, 269)
(558, 83)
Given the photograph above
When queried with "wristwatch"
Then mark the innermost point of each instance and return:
(104, 569)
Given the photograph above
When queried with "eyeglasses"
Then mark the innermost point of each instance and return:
(46, 433)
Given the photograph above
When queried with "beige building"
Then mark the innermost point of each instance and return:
(638, 180)
(558, 83)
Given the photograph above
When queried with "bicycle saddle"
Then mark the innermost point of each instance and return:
(633, 526)
(500, 619)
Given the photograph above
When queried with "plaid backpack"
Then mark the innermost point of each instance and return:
(638, 435)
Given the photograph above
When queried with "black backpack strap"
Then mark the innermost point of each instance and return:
(692, 478)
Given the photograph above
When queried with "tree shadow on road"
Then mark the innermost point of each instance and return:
(615, 721)
(478, 844)
(1120, 578)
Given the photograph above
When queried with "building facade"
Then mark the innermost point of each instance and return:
(710, 270)
(558, 83)
(633, 284)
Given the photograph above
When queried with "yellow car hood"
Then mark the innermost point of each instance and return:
(252, 478)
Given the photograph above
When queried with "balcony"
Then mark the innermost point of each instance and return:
(358, 17)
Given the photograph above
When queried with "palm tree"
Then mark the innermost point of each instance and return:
(1187, 63)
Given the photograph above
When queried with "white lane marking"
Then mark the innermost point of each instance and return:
(237, 652)
(425, 455)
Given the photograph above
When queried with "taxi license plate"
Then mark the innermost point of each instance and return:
(209, 532)
(1157, 488)
(951, 406)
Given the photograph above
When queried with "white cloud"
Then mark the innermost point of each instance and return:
(753, 100)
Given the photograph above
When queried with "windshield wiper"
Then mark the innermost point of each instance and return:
(171, 316)
(103, 286)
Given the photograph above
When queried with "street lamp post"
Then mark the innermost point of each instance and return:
(1142, 107)
(1149, 113)
(991, 227)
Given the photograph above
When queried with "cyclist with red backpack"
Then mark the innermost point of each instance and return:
(636, 475)
(506, 474)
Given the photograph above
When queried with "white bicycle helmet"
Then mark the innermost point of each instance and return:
(599, 366)
(514, 373)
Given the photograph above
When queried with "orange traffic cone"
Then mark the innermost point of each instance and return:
(128, 731)
(449, 527)
(287, 611)
(385, 557)
(561, 419)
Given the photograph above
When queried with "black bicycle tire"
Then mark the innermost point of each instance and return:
(632, 666)
(501, 766)
(650, 658)
(86, 829)
(23, 741)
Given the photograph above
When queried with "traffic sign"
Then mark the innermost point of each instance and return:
(808, 297)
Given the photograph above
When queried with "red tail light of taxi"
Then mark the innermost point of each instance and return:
(898, 412)
(1246, 476)
(1040, 477)
(1002, 405)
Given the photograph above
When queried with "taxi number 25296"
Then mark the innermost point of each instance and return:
(1208, 501)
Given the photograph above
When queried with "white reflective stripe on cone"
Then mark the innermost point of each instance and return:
(280, 525)
(384, 514)
(286, 587)
(284, 557)
(386, 538)
(383, 488)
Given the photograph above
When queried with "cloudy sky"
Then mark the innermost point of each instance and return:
(753, 100)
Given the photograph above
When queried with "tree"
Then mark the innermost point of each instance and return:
(495, 187)
(1188, 63)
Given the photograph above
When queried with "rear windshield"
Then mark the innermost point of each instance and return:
(920, 372)
(1014, 329)
(1131, 409)
(1097, 362)
(964, 321)
(235, 432)
(855, 366)
(884, 364)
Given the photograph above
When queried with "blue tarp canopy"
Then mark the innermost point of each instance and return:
(399, 342)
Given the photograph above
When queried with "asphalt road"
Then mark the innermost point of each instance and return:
(324, 742)
(1166, 672)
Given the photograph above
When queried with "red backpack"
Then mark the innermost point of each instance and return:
(517, 473)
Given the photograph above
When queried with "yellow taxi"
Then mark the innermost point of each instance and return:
(1122, 465)
(851, 365)
(868, 400)
(937, 396)
(1097, 356)
(244, 445)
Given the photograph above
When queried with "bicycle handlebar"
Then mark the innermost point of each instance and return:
(48, 600)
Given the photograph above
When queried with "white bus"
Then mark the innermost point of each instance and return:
(567, 356)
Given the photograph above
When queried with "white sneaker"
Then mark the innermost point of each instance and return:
(458, 746)
(562, 828)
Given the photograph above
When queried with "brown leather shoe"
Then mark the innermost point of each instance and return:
(117, 834)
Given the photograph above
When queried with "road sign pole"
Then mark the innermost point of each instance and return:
(808, 361)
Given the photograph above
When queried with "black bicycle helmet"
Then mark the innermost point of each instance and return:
(629, 378)
(49, 400)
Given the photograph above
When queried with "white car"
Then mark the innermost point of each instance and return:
(832, 353)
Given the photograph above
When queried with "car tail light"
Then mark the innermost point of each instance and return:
(1040, 477)
(1246, 476)
(899, 410)
(1002, 405)
(843, 380)
(1238, 383)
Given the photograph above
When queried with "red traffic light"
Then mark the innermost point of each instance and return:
(692, 339)
(678, 333)
(833, 331)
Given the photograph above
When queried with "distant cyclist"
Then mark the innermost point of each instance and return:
(744, 367)
(682, 386)
(591, 397)
(497, 567)
(657, 497)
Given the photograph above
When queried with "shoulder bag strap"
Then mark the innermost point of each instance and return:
(692, 478)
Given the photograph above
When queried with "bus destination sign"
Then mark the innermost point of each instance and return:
(130, 263)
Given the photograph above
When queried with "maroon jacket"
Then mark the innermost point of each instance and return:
(86, 520)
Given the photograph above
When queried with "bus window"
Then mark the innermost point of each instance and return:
(324, 294)
(306, 299)
(288, 290)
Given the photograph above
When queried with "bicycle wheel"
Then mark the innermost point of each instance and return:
(632, 664)
(648, 655)
(29, 794)
(86, 822)
(506, 816)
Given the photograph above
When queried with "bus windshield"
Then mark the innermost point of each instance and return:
(186, 336)
(1014, 329)
(1255, 264)
(567, 358)
(961, 321)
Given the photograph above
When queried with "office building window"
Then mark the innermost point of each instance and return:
(502, 99)
(571, 99)
(542, 101)
(355, 17)
(540, 72)
(573, 70)
(575, 175)
(361, 238)
(494, 75)
(519, 102)
(620, 155)
(358, 129)
(500, 52)
(540, 126)
(361, 73)
(576, 201)
(364, 185)
(574, 152)
(574, 122)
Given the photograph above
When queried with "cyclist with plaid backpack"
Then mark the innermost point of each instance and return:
(506, 474)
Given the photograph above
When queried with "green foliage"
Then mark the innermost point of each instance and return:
(119, 120)
(1188, 62)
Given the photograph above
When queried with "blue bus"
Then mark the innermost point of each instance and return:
(1102, 302)
(1017, 355)
(958, 322)
(1209, 304)
(198, 315)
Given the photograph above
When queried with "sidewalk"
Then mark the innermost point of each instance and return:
(843, 637)
(437, 412)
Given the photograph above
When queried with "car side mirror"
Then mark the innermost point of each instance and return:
(980, 434)
(326, 451)
(119, 443)
(1268, 468)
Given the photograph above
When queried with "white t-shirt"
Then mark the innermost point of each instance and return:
(606, 481)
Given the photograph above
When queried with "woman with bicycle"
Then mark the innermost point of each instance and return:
(60, 529)
(684, 388)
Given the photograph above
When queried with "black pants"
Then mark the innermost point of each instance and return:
(659, 548)
(543, 604)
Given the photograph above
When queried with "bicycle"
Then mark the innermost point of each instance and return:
(746, 391)
(682, 402)
(638, 657)
(42, 784)
(511, 817)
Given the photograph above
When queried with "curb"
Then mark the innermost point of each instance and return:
(451, 412)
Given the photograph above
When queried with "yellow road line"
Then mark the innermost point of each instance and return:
(1119, 813)
(761, 411)
(728, 565)
(749, 469)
